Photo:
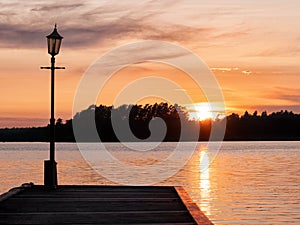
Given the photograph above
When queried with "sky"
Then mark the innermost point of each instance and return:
(252, 47)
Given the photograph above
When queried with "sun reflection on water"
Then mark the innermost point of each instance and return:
(204, 182)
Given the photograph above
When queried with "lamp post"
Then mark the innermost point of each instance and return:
(50, 171)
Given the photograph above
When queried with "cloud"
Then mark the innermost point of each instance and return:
(283, 95)
(231, 69)
(224, 69)
(57, 7)
(233, 34)
(88, 24)
(276, 108)
(293, 98)
(17, 36)
(289, 94)
(246, 72)
(9, 122)
(280, 51)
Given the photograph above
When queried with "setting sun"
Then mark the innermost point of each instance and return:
(200, 111)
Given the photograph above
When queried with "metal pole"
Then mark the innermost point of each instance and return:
(52, 119)
(50, 171)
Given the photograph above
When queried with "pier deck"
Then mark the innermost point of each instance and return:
(32, 204)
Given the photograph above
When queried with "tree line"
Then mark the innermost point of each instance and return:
(283, 125)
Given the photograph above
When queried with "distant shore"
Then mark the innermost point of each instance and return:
(277, 126)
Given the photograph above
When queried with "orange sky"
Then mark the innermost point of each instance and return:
(252, 47)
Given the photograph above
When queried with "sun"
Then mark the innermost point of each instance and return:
(200, 111)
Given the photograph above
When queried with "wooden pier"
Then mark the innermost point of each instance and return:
(33, 204)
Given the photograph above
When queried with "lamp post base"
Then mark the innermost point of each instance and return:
(50, 174)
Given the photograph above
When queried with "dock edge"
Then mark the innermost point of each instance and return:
(199, 217)
(15, 191)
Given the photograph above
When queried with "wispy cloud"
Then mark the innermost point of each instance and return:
(233, 34)
(86, 23)
(90, 23)
(225, 69)
(56, 7)
(283, 95)
(279, 51)
(246, 72)
(276, 108)
(231, 69)
(9, 122)
(288, 94)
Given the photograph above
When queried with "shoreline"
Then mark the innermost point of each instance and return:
(226, 140)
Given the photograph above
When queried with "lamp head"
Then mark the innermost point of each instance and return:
(54, 41)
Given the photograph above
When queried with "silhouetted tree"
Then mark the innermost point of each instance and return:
(282, 125)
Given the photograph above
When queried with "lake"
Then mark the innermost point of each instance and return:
(246, 183)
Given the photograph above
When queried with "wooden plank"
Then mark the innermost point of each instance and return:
(192, 207)
(95, 217)
(102, 194)
(32, 205)
(91, 199)
(103, 188)
(106, 192)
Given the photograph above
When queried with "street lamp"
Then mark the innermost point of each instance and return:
(54, 41)
(50, 171)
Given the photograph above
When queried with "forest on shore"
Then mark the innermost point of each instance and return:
(282, 125)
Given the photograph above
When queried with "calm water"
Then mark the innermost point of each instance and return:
(247, 183)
